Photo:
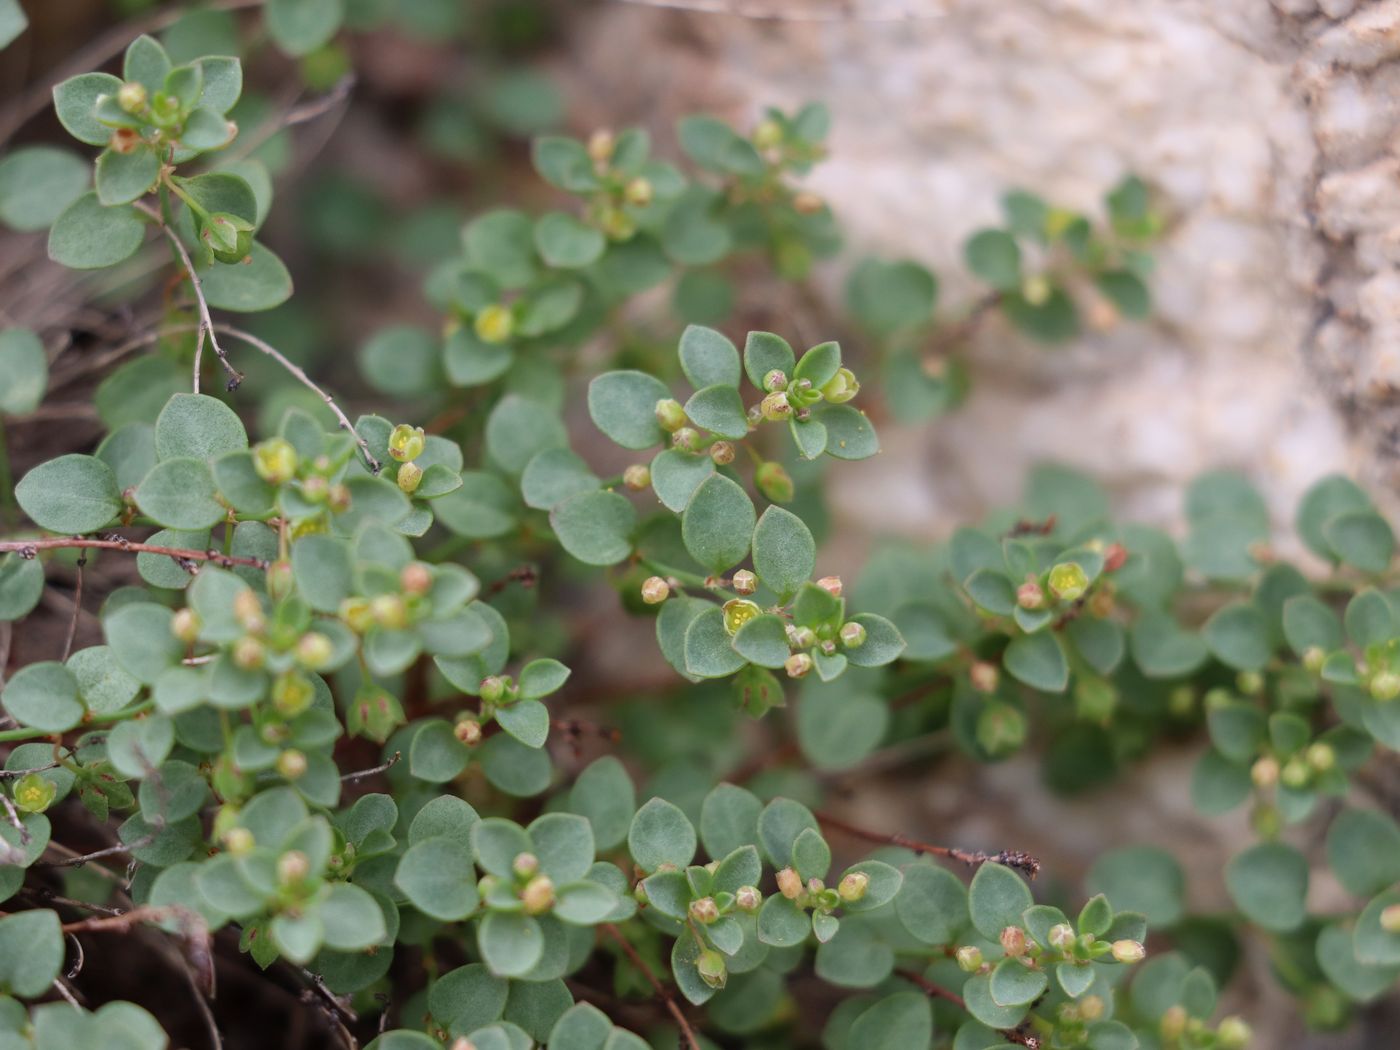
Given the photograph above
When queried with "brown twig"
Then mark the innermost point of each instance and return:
(29, 549)
(1022, 862)
(525, 575)
(206, 322)
(363, 773)
(661, 990)
(77, 611)
(306, 381)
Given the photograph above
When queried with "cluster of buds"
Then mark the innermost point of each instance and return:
(785, 399)
(1178, 1028)
(406, 444)
(140, 117)
(815, 894)
(622, 191)
(1064, 946)
(1297, 771)
(526, 883)
(277, 463)
(389, 611)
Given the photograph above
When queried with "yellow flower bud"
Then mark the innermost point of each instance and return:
(744, 582)
(291, 764)
(841, 387)
(406, 442)
(494, 324)
(410, 476)
(637, 477)
(655, 590)
(538, 895)
(275, 460)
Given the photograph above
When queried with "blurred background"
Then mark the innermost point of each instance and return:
(1267, 131)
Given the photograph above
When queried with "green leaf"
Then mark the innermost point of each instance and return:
(1238, 636)
(779, 826)
(137, 748)
(1369, 618)
(720, 410)
(70, 494)
(1363, 848)
(199, 426)
(13, 22)
(87, 236)
(1052, 320)
(564, 844)
(44, 696)
(526, 720)
(1307, 622)
(1361, 538)
(1326, 499)
(223, 83)
(718, 524)
(21, 586)
(139, 634)
(708, 649)
(604, 794)
(675, 475)
(932, 904)
(564, 162)
(837, 728)
(784, 552)
(437, 877)
(1374, 945)
(1162, 648)
(299, 27)
(660, 834)
(436, 755)
(854, 954)
(563, 241)
(781, 923)
(819, 364)
(322, 568)
(888, 296)
(765, 352)
(623, 406)
(595, 527)
(994, 256)
(729, 819)
(541, 677)
(24, 371)
(904, 1019)
(179, 493)
(75, 101)
(715, 146)
(554, 475)
(810, 437)
(883, 643)
(1269, 883)
(31, 952)
(763, 641)
(125, 177)
(977, 995)
(849, 434)
(1038, 661)
(510, 944)
(470, 362)
(1358, 981)
(996, 899)
(1014, 983)
(37, 183)
(248, 287)
(708, 358)
(1125, 290)
(1144, 879)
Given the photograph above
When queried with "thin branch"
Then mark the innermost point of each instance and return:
(77, 611)
(1022, 862)
(29, 549)
(839, 12)
(364, 773)
(525, 575)
(17, 773)
(929, 988)
(306, 381)
(79, 860)
(206, 323)
(661, 990)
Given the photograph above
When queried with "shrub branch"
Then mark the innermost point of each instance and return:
(1022, 862)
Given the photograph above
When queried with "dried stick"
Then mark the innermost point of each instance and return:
(206, 323)
(306, 381)
(1022, 862)
(29, 549)
(77, 611)
(363, 773)
(661, 990)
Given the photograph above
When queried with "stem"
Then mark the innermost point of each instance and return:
(662, 991)
(206, 323)
(271, 351)
(8, 735)
(28, 549)
(1022, 862)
